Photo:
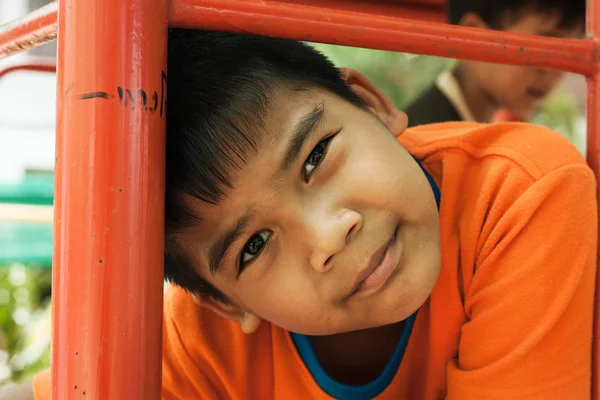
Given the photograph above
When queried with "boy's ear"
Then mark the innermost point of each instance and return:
(377, 101)
(248, 322)
(473, 20)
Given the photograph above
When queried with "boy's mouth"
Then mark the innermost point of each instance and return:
(381, 265)
(537, 94)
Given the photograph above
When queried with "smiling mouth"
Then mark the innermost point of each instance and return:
(381, 265)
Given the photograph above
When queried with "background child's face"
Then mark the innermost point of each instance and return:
(517, 88)
(314, 226)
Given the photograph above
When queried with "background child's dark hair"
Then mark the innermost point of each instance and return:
(572, 12)
(219, 90)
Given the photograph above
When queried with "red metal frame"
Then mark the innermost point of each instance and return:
(593, 159)
(378, 30)
(30, 65)
(33, 30)
(110, 145)
(109, 196)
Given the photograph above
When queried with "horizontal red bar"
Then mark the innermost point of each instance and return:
(370, 25)
(28, 32)
(39, 66)
(421, 10)
(378, 30)
(40, 26)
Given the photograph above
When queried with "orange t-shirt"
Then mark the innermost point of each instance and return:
(509, 318)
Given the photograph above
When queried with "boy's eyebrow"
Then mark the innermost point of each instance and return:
(302, 132)
(304, 129)
(223, 242)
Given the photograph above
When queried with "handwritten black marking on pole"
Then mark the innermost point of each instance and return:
(128, 99)
(96, 95)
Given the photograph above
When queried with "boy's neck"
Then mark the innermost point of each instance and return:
(481, 104)
(357, 358)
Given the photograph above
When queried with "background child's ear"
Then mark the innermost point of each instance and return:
(377, 101)
(248, 322)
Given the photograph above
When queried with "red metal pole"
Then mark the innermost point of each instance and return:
(380, 31)
(33, 30)
(593, 157)
(108, 251)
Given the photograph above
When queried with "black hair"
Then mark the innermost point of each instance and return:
(219, 90)
(572, 12)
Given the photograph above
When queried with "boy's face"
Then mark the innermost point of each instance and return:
(331, 227)
(517, 88)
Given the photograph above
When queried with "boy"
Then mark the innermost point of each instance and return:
(476, 90)
(303, 230)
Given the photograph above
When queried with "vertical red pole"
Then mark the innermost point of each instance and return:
(108, 251)
(593, 156)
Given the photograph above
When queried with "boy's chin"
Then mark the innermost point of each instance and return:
(392, 305)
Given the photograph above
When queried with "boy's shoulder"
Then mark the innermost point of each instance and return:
(197, 343)
(534, 148)
(186, 317)
(207, 356)
(199, 329)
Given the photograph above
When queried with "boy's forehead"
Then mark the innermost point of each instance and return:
(287, 106)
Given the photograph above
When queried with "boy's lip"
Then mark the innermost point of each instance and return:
(375, 261)
(536, 93)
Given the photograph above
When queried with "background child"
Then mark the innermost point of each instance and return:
(475, 91)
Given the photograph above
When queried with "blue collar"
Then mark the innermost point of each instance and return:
(434, 188)
(346, 392)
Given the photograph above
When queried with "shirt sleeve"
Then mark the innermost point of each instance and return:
(530, 301)
(41, 385)
(185, 370)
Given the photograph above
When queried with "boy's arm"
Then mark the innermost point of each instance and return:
(23, 391)
(191, 368)
(530, 303)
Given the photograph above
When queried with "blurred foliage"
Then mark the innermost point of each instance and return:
(560, 112)
(401, 76)
(24, 321)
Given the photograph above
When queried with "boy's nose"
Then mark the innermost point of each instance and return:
(331, 237)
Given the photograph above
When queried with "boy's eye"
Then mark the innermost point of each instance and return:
(253, 248)
(315, 158)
